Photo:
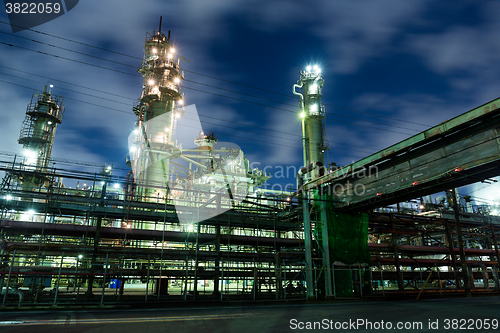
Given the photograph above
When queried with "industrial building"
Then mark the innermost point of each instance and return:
(191, 221)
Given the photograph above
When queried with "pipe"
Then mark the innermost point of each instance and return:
(296, 93)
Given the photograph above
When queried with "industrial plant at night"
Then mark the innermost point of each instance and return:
(192, 220)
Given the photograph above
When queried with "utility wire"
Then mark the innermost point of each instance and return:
(201, 115)
(69, 83)
(270, 100)
(232, 135)
(233, 98)
(278, 108)
(200, 74)
(77, 92)
(232, 91)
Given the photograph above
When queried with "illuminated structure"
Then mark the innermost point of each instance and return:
(132, 245)
(167, 164)
(312, 114)
(161, 104)
(43, 114)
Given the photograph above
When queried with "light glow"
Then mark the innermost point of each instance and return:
(172, 50)
(177, 80)
(154, 50)
(308, 68)
(302, 115)
(181, 101)
(170, 56)
(151, 82)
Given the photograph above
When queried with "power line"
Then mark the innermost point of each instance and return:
(108, 108)
(69, 59)
(201, 115)
(78, 92)
(67, 98)
(72, 84)
(204, 75)
(278, 108)
(70, 40)
(232, 91)
(270, 100)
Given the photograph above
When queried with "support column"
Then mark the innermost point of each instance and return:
(308, 241)
(396, 256)
(463, 263)
(452, 256)
(216, 292)
(326, 249)
(495, 243)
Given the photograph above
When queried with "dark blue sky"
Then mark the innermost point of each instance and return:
(403, 65)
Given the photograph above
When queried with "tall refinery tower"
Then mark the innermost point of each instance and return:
(160, 105)
(43, 114)
(312, 114)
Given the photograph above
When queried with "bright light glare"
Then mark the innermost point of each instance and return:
(30, 153)
(302, 115)
(30, 212)
(315, 67)
(170, 56)
(172, 50)
(495, 212)
(151, 82)
(80, 256)
(132, 149)
(177, 80)
(8, 197)
(190, 227)
(181, 101)
(51, 86)
(116, 185)
(308, 68)
(49, 122)
(177, 115)
(154, 51)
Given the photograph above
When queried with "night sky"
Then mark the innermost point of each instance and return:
(392, 68)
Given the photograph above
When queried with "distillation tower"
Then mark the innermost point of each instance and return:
(161, 104)
(43, 114)
(312, 114)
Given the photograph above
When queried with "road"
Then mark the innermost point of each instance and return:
(417, 316)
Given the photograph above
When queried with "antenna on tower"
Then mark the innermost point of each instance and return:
(159, 29)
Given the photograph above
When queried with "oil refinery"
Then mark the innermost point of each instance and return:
(191, 220)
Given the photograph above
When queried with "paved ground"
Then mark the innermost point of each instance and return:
(439, 315)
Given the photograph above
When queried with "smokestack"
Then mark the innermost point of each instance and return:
(159, 29)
